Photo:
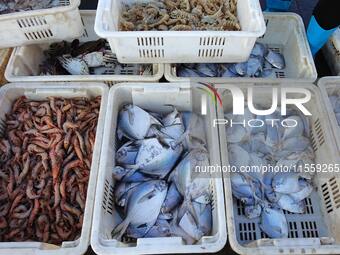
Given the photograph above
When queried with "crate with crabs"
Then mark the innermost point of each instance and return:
(293, 207)
(87, 58)
(285, 35)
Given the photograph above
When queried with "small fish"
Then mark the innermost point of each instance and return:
(135, 176)
(121, 192)
(119, 172)
(203, 216)
(172, 200)
(295, 144)
(181, 176)
(207, 70)
(186, 72)
(155, 158)
(134, 122)
(225, 72)
(274, 223)
(143, 206)
(305, 191)
(172, 125)
(238, 157)
(194, 135)
(286, 182)
(275, 59)
(188, 224)
(236, 134)
(286, 202)
(243, 189)
(127, 153)
(161, 229)
(254, 67)
(295, 131)
(259, 50)
(253, 211)
(241, 68)
(267, 72)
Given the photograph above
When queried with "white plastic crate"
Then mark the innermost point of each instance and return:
(36, 91)
(154, 97)
(38, 26)
(331, 52)
(4, 58)
(285, 34)
(314, 232)
(330, 86)
(24, 62)
(180, 46)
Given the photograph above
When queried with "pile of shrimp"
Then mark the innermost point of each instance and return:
(45, 159)
(180, 15)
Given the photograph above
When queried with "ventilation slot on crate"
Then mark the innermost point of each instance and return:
(150, 41)
(240, 207)
(317, 135)
(32, 22)
(327, 197)
(247, 231)
(110, 83)
(309, 229)
(39, 35)
(280, 74)
(155, 53)
(293, 230)
(208, 53)
(275, 49)
(212, 41)
(108, 197)
(64, 2)
(213, 196)
(335, 192)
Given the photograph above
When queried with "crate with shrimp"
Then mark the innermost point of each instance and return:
(282, 52)
(149, 197)
(30, 22)
(282, 189)
(50, 148)
(180, 31)
(87, 58)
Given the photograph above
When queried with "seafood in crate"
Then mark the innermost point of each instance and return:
(262, 63)
(287, 149)
(186, 15)
(157, 191)
(87, 58)
(311, 231)
(46, 155)
(9, 6)
(335, 102)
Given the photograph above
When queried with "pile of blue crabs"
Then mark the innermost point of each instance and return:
(157, 193)
(262, 63)
(267, 194)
